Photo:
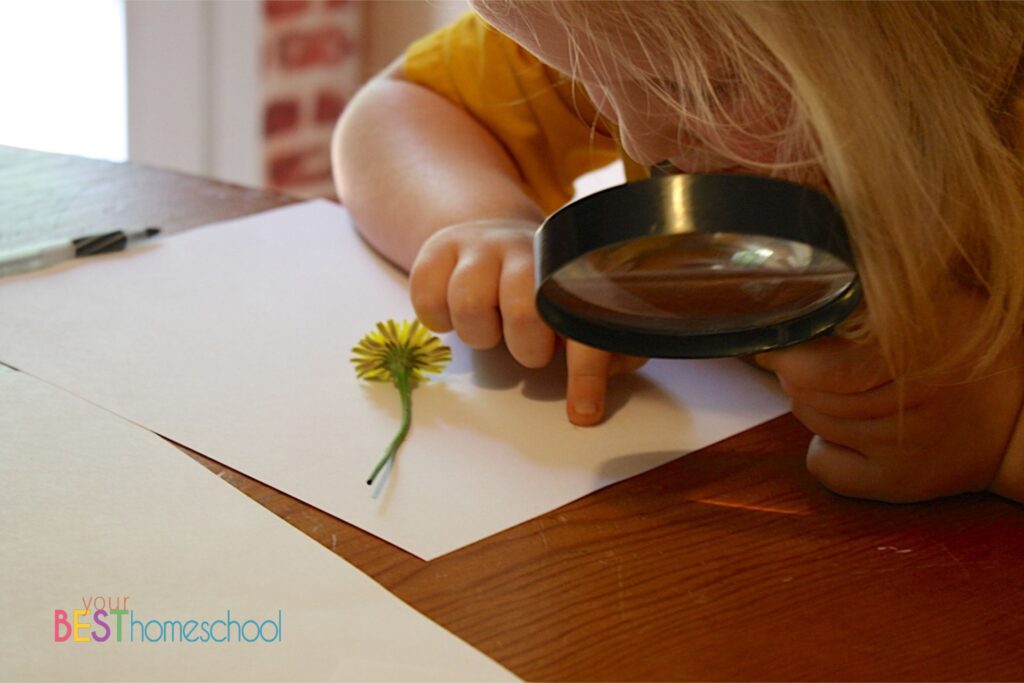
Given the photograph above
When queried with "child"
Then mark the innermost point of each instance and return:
(906, 113)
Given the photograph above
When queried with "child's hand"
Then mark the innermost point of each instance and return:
(477, 278)
(950, 438)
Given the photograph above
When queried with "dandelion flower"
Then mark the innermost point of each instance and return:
(400, 353)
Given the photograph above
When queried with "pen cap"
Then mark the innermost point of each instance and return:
(111, 241)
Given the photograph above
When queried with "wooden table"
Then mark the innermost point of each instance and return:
(729, 564)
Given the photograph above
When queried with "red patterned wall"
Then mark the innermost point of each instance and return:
(312, 65)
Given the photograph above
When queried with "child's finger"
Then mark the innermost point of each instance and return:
(828, 364)
(473, 299)
(529, 340)
(428, 286)
(862, 435)
(845, 470)
(587, 383)
(883, 401)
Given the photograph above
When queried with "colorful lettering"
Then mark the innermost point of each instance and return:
(100, 622)
(76, 627)
(119, 613)
(60, 618)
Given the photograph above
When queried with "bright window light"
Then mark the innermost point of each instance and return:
(63, 77)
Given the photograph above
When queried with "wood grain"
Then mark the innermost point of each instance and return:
(729, 564)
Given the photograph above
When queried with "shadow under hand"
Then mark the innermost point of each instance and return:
(623, 388)
(496, 369)
(624, 466)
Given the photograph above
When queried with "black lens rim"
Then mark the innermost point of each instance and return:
(667, 205)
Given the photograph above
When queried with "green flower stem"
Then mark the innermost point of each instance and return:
(401, 375)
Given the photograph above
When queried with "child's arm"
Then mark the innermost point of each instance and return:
(436, 193)
(413, 163)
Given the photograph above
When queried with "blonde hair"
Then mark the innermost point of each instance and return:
(904, 107)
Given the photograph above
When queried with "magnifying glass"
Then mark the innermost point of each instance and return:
(696, 266)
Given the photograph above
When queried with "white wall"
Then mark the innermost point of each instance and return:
(62, 66)
(194, 98)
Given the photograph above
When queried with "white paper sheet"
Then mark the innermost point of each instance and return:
(95, 506)
(234, 340)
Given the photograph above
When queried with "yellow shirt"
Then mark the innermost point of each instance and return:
(544, 120)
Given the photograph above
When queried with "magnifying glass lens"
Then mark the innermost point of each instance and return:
(699, 283)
